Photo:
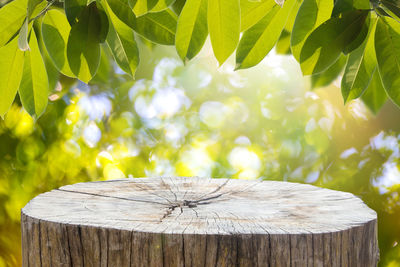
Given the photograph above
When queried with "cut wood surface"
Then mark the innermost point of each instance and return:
(174, 221)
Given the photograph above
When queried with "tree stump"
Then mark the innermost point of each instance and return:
(197, 222)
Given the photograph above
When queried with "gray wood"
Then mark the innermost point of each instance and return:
(174, 221)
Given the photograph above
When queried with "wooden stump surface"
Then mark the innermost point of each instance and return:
(174, 221)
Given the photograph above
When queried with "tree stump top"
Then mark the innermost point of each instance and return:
(201, 206)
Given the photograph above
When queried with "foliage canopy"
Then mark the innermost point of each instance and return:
(41, 40)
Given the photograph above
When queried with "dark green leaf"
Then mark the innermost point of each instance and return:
(73, 9)
(327, 77)
(177, 6)
(83, 49)
(325, 43)
(121, 41)
(342, 6)
(311, 14)
(392, 8)
(55, 32)
(360, 38)
(104, 24)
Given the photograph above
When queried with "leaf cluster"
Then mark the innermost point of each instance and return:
(41, 40)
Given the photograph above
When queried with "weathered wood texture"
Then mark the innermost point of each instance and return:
(197, 222)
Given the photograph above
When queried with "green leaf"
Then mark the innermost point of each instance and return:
(122, 10)
(252, 12)
(23, 36)
(192, 29)
(53, 73)
(374, 96)
(283, 44)
(327, 77)
(342, 6)
(103, 72)
(121, 41)
(32, 4)
(104, 24)
(12, 16)
(312, 13)
(360, 38)
(158, 27)
(83, 49)
(387, 40)
(224, 27)
(12, 63)
(73, 9)
(144, 6)
(325, 43)
(177, 6)
(391, 8)
(360, 66)
(257, 41)
(55, 31)
(162, 5)
(292, 16)
(34, 87)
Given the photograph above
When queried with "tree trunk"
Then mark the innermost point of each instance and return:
(197, 222)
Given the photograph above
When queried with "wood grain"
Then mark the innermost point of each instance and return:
(176, 221)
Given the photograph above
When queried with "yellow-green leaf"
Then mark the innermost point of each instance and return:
(257, 41)
(12, 63)
(158, 27)
(162, 5)
(192, 29)
(34, 87)
(12, 16)
(144, 6)
(224, 27)
(252, 12)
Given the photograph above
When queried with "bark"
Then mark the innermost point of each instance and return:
(175, 221)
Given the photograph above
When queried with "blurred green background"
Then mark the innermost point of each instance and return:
(201, 120)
